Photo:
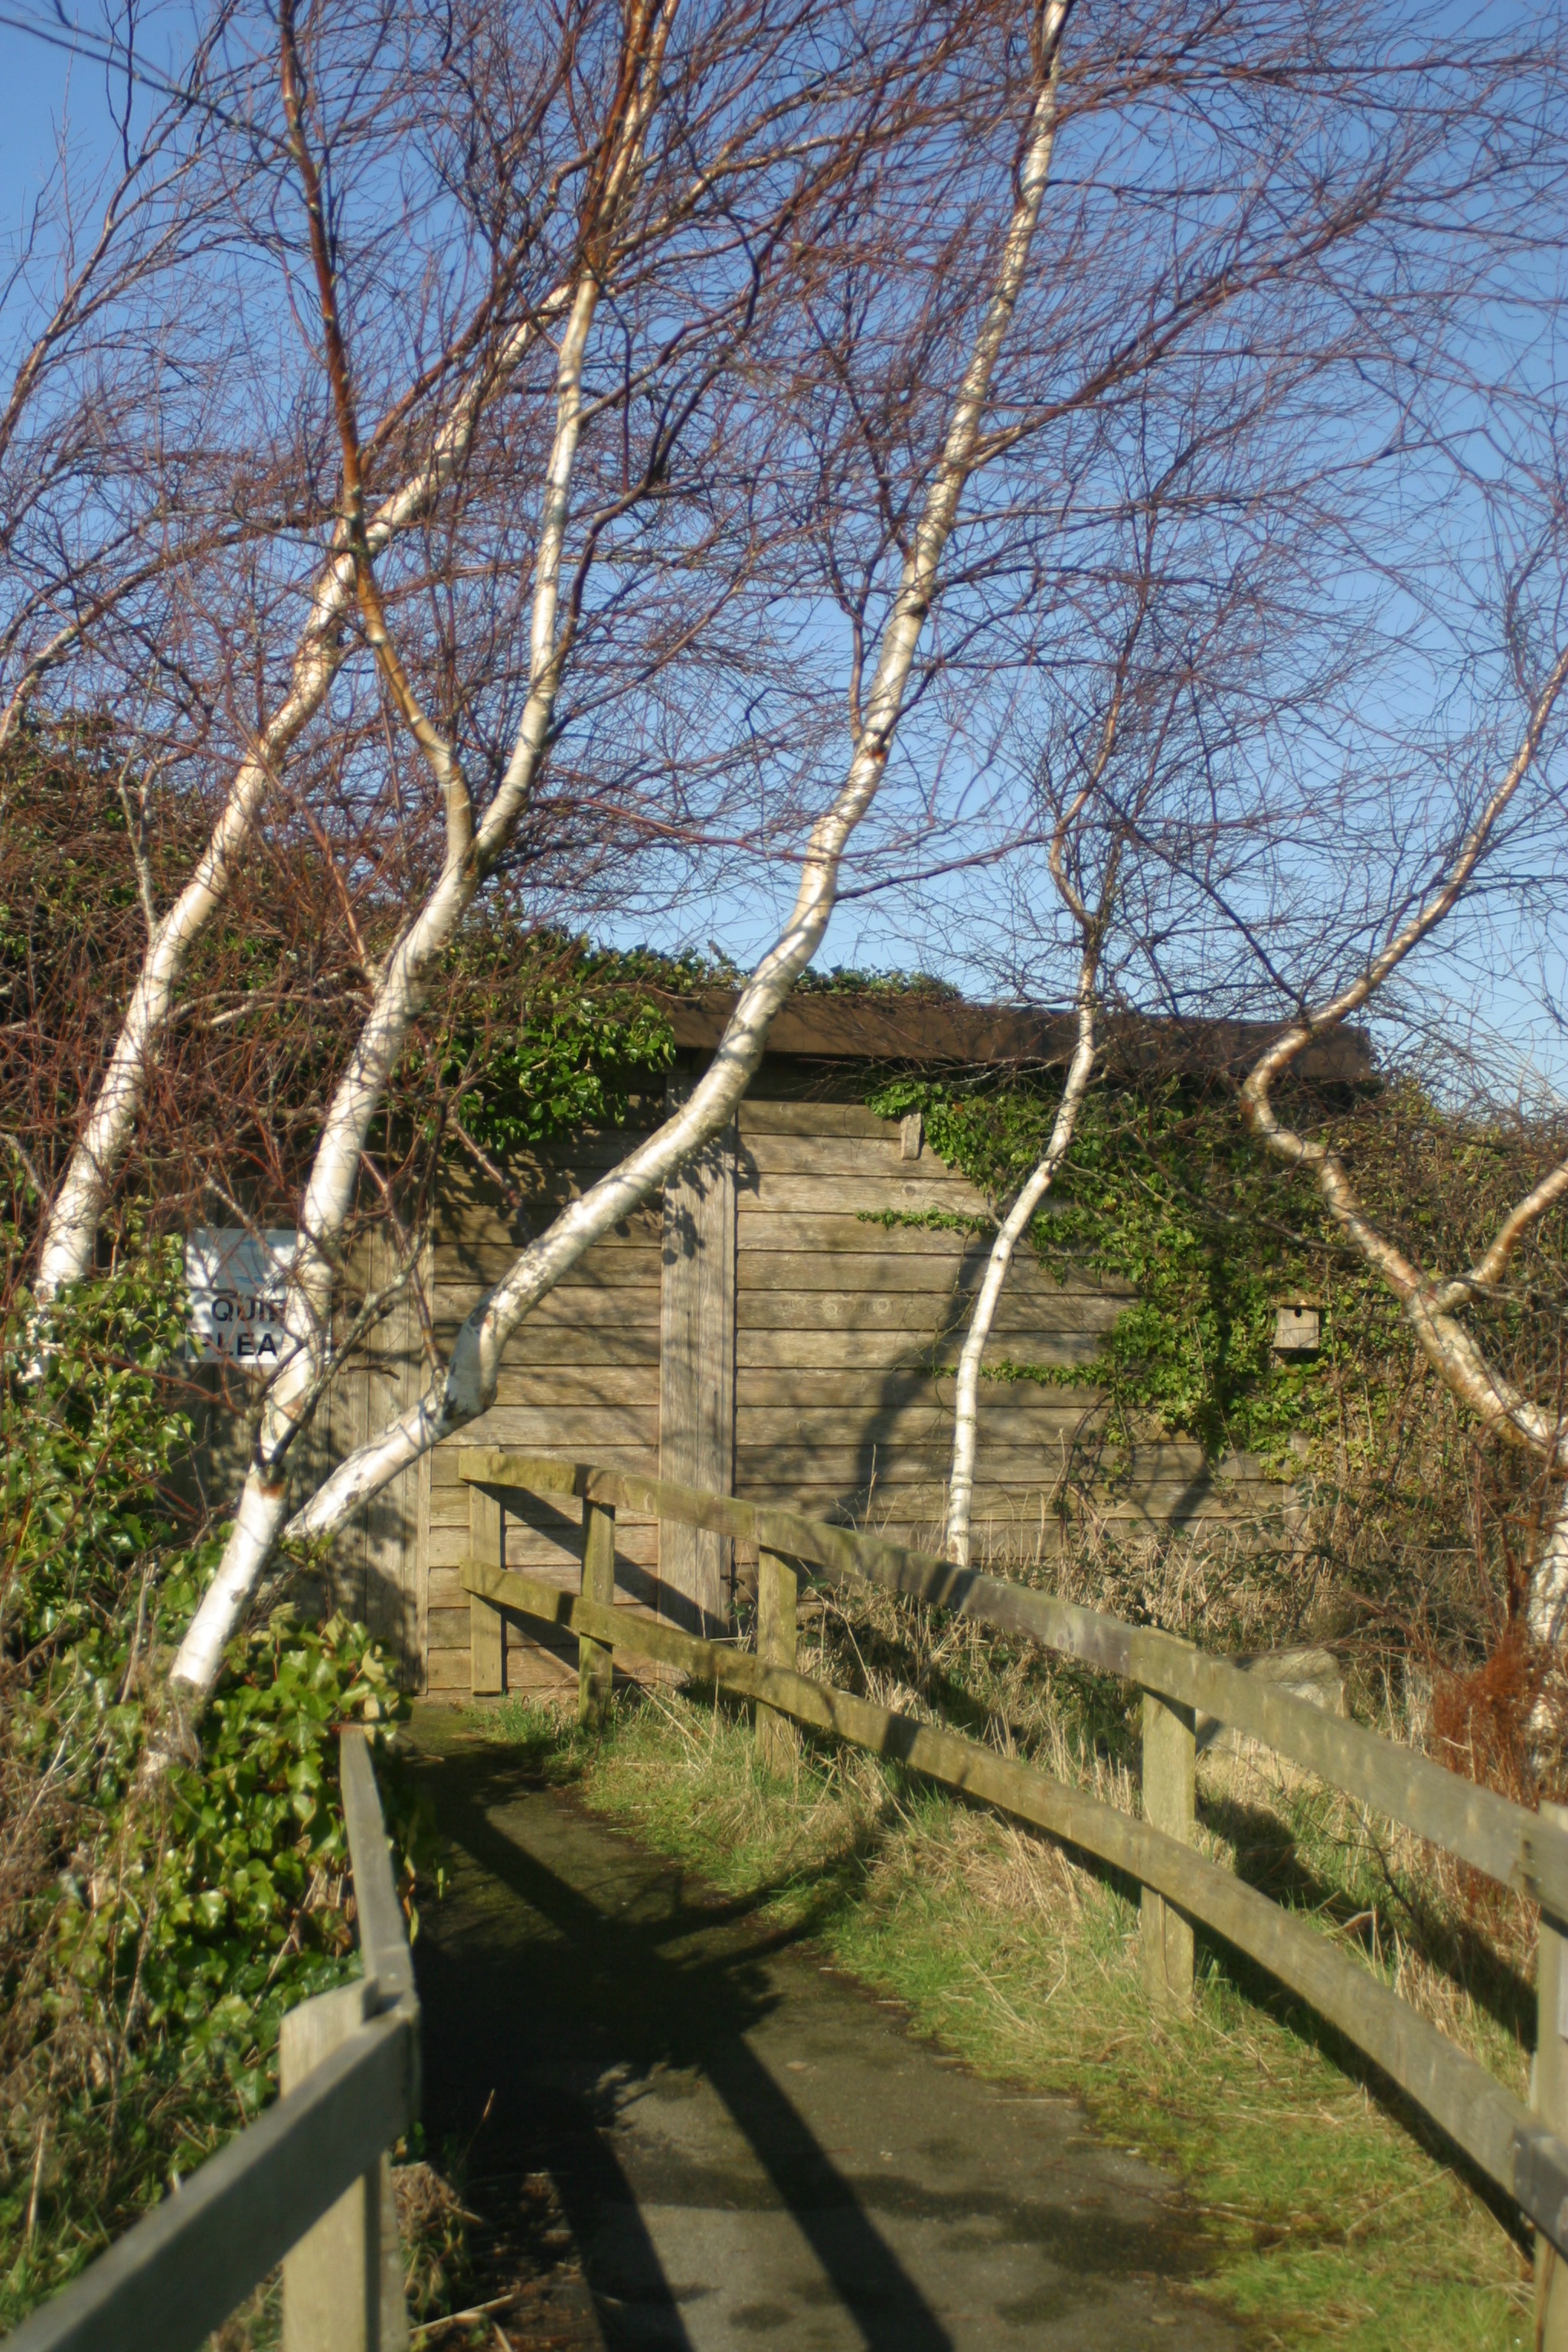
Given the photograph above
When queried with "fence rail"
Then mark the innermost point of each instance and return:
(304, 2184)
(1522, 2150)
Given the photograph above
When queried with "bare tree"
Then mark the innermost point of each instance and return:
(470, 1383)
(95, 509)
(1089, 922)
(730, 320)
(1436, 1303)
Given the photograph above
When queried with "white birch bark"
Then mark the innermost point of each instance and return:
(470, 854)
(399, 994)
(1092, 930)
(468, 1384)
(1432, 1304)
(71, 1230)
(1546, 1613)
(1013, 1226)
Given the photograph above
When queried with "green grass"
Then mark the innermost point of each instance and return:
(1331, 2216)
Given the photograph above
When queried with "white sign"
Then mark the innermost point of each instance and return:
(239, 1281)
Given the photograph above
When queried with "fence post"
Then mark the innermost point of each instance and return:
(1170, 1764)
(777, 1592)
(343, 2283)
(487, 1627)
(595, 1660)
(1549, 2097)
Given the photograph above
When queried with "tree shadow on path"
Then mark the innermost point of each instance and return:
(557, 1983)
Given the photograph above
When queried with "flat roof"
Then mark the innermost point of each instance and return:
(905, 1026)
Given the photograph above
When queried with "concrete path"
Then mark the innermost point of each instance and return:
(697, 2137)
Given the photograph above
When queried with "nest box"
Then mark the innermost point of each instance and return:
(1298, 1327)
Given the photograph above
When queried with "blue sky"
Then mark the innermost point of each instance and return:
(46, 87)
(1505, 980)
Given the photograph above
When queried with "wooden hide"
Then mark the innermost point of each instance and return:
(837, 1352)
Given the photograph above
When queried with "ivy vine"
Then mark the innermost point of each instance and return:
(1165, 1193)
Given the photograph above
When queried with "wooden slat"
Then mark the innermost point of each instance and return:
(696, 1422)
(874, 1158)
(543, 1671)
(449, 1630)
(638, 1540)
(850, 1469)
(445, 1670)
(1029, 1430)
(844, 1365)
(178, 2274)
(482, 1229)
(383, 1930)
(535, 1542)
(443, 1461)
(595, 1659)
(487, 1635)
(605, 1338)
(1495, 2129)
(578, 1425)
(1514, 1846)
(789, 1257)
(480, 1267)
(1019, 1413)
(758, 1116)
(553, 1387)
(809, 1235)
(811, 1196)
(1014, 1480)
(874, 1304)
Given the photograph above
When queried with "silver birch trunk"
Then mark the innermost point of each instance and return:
(468, 1383)
(1013, 1226)
(470, 854)
(71, 1230)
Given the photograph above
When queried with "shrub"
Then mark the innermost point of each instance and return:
(151, 1936)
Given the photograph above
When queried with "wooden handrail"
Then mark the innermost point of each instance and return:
(185, 2266)
(1495, 2129)
(1521, 2148)
(383, 1930)
(1505, 1841)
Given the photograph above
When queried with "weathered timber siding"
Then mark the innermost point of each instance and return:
(847, 1333)
(843, 1334)
(697, 1368)
(580, 1379)
(376, 1570)
(848, 1329)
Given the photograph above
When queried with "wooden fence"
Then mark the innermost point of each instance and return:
(307, 2184)
(1523, 2150)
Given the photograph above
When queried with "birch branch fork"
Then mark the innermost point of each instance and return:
(1430, 1303)
(323, 649)
(470, 853)
(470, 1379)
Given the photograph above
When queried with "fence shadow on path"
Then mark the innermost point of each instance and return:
(563, 2006)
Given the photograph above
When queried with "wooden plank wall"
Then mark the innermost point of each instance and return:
(696, 1370)
(580, 1379)
(844, 1334)
(377, 1571)
(849, 1329)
